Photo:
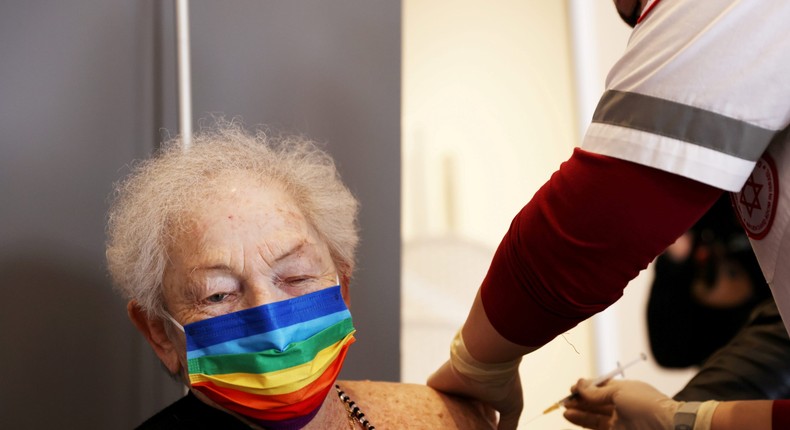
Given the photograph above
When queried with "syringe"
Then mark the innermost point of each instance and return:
(601, 380)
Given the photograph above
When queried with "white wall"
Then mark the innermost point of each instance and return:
(488, 86)
(491, 107)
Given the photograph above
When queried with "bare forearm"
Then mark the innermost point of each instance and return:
(484, 342)
(739, 415)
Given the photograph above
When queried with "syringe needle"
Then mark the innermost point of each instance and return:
(599, 381)
(618, 371)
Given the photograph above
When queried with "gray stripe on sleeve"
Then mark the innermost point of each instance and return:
(682, 122)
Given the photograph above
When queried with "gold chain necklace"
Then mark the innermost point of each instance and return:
(354, 413)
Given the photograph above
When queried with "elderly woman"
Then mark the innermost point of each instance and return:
(236, 257)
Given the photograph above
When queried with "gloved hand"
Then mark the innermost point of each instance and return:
(497, 384)
(620, 405)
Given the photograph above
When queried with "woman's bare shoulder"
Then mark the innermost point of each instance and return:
(390, 405)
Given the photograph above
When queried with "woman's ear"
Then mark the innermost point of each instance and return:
(344, 280)
(153, 329)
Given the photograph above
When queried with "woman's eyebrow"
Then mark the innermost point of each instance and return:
(211, 268)
(298, 247)
(193, 290)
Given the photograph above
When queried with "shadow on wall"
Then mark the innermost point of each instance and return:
(64, 333)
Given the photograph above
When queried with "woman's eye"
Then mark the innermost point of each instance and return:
(299, 280)
(217, 298)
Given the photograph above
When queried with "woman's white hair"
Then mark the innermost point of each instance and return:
(148, 204)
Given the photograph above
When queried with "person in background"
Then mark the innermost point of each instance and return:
(753, 365)
(236, 256)
(698, 104)
(705, 286)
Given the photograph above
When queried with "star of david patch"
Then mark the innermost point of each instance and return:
(755, 204)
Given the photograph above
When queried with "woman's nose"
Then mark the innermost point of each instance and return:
(263, 293)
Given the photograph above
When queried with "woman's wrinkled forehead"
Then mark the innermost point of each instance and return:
(241, 210)
(237, 199)
(245, 226)
(228, 189)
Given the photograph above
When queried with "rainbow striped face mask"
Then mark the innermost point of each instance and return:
(273, 364)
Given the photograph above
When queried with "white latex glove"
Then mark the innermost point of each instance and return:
(620, 405)
(497, 385)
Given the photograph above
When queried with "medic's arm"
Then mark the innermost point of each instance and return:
(569, 254)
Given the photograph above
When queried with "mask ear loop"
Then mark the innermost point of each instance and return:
(187, 383)
(173, 320)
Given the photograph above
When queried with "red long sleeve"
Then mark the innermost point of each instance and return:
(780, 415)
(585, 234)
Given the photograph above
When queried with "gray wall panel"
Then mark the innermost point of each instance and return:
(330, 70)
(86, 86)
(76, 92)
